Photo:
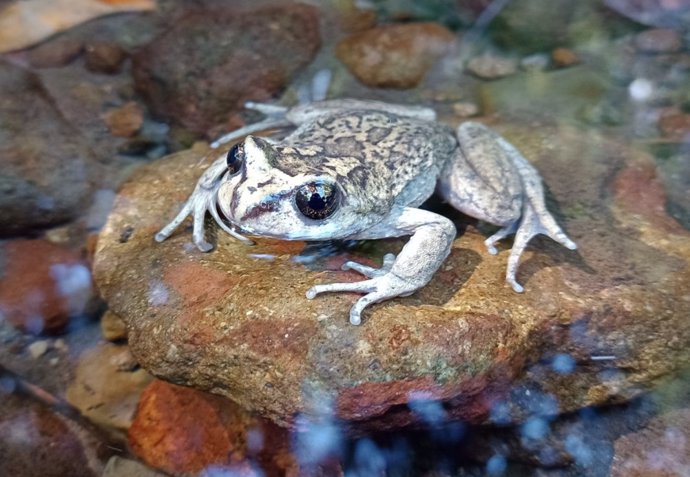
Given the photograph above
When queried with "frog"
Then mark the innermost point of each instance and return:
(354, 169)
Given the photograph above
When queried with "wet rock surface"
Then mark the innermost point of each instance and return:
(36, 441)
(48, 169)
(178, 429)
(394, 56)
(235, 321)
(107, 386)
(661, 449)
(199, 73)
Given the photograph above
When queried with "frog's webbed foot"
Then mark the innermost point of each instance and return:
(430, 242)
(383, 286)
(202, 200)
(530, 224)
(371, 272)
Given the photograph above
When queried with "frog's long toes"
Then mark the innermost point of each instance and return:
(515, 285)
(490, 247)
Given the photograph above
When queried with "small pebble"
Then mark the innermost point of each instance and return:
(465, 109)
(126, 120)
(658, 40)
(536, 62)
(491, 66)
(113, 327)
(38, 348)
(674, 124)
(60, 345)
(104, 58)
(564, 57)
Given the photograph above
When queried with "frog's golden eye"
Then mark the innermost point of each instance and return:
(235, 158)
(317, 200)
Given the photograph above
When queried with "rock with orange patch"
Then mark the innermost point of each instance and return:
(235, 321)
(182, 430)
(42, 285)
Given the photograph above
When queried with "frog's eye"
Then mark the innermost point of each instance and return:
(235, 159)
(317, 200)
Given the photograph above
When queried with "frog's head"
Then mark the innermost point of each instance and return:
(263, 200)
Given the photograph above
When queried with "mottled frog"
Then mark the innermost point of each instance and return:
(359, 170)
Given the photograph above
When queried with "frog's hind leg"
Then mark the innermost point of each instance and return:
(535, 218)
(491, 180)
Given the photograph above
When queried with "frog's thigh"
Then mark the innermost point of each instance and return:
(481, 180)
(308, 112)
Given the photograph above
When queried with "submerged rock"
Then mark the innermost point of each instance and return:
(181, 430)
(661, 449)
(605, 322)
(394, 56)
(199, 73)
(47, 168)
(38, 441)
(107, 386)
(42, 285)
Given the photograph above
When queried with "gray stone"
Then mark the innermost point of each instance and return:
(48, 168)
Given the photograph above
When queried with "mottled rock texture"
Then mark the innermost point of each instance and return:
(235, 321)
(199, 73)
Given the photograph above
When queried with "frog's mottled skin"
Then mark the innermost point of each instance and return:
(384, 160)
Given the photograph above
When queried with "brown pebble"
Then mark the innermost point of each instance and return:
(465, 109)
(55, 53)
(674, 124)
(490, 66)
(124, 121)
(564, 57)
(104, 57)
(113, 327)
(658, 40)
(394, 56)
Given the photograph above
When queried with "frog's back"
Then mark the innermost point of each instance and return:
(373, 155)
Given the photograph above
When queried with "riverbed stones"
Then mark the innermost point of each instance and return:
(235, 321)
(199, 73)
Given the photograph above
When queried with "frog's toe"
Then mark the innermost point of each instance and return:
(371, 272)
(364, 286)
(377, 289)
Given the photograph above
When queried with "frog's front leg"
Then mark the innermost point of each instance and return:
(202, 200)
(491, 180)
(430, 243)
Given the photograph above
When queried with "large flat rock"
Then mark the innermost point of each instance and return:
(594, 326)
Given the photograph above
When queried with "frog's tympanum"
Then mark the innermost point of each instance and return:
(359, 170)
